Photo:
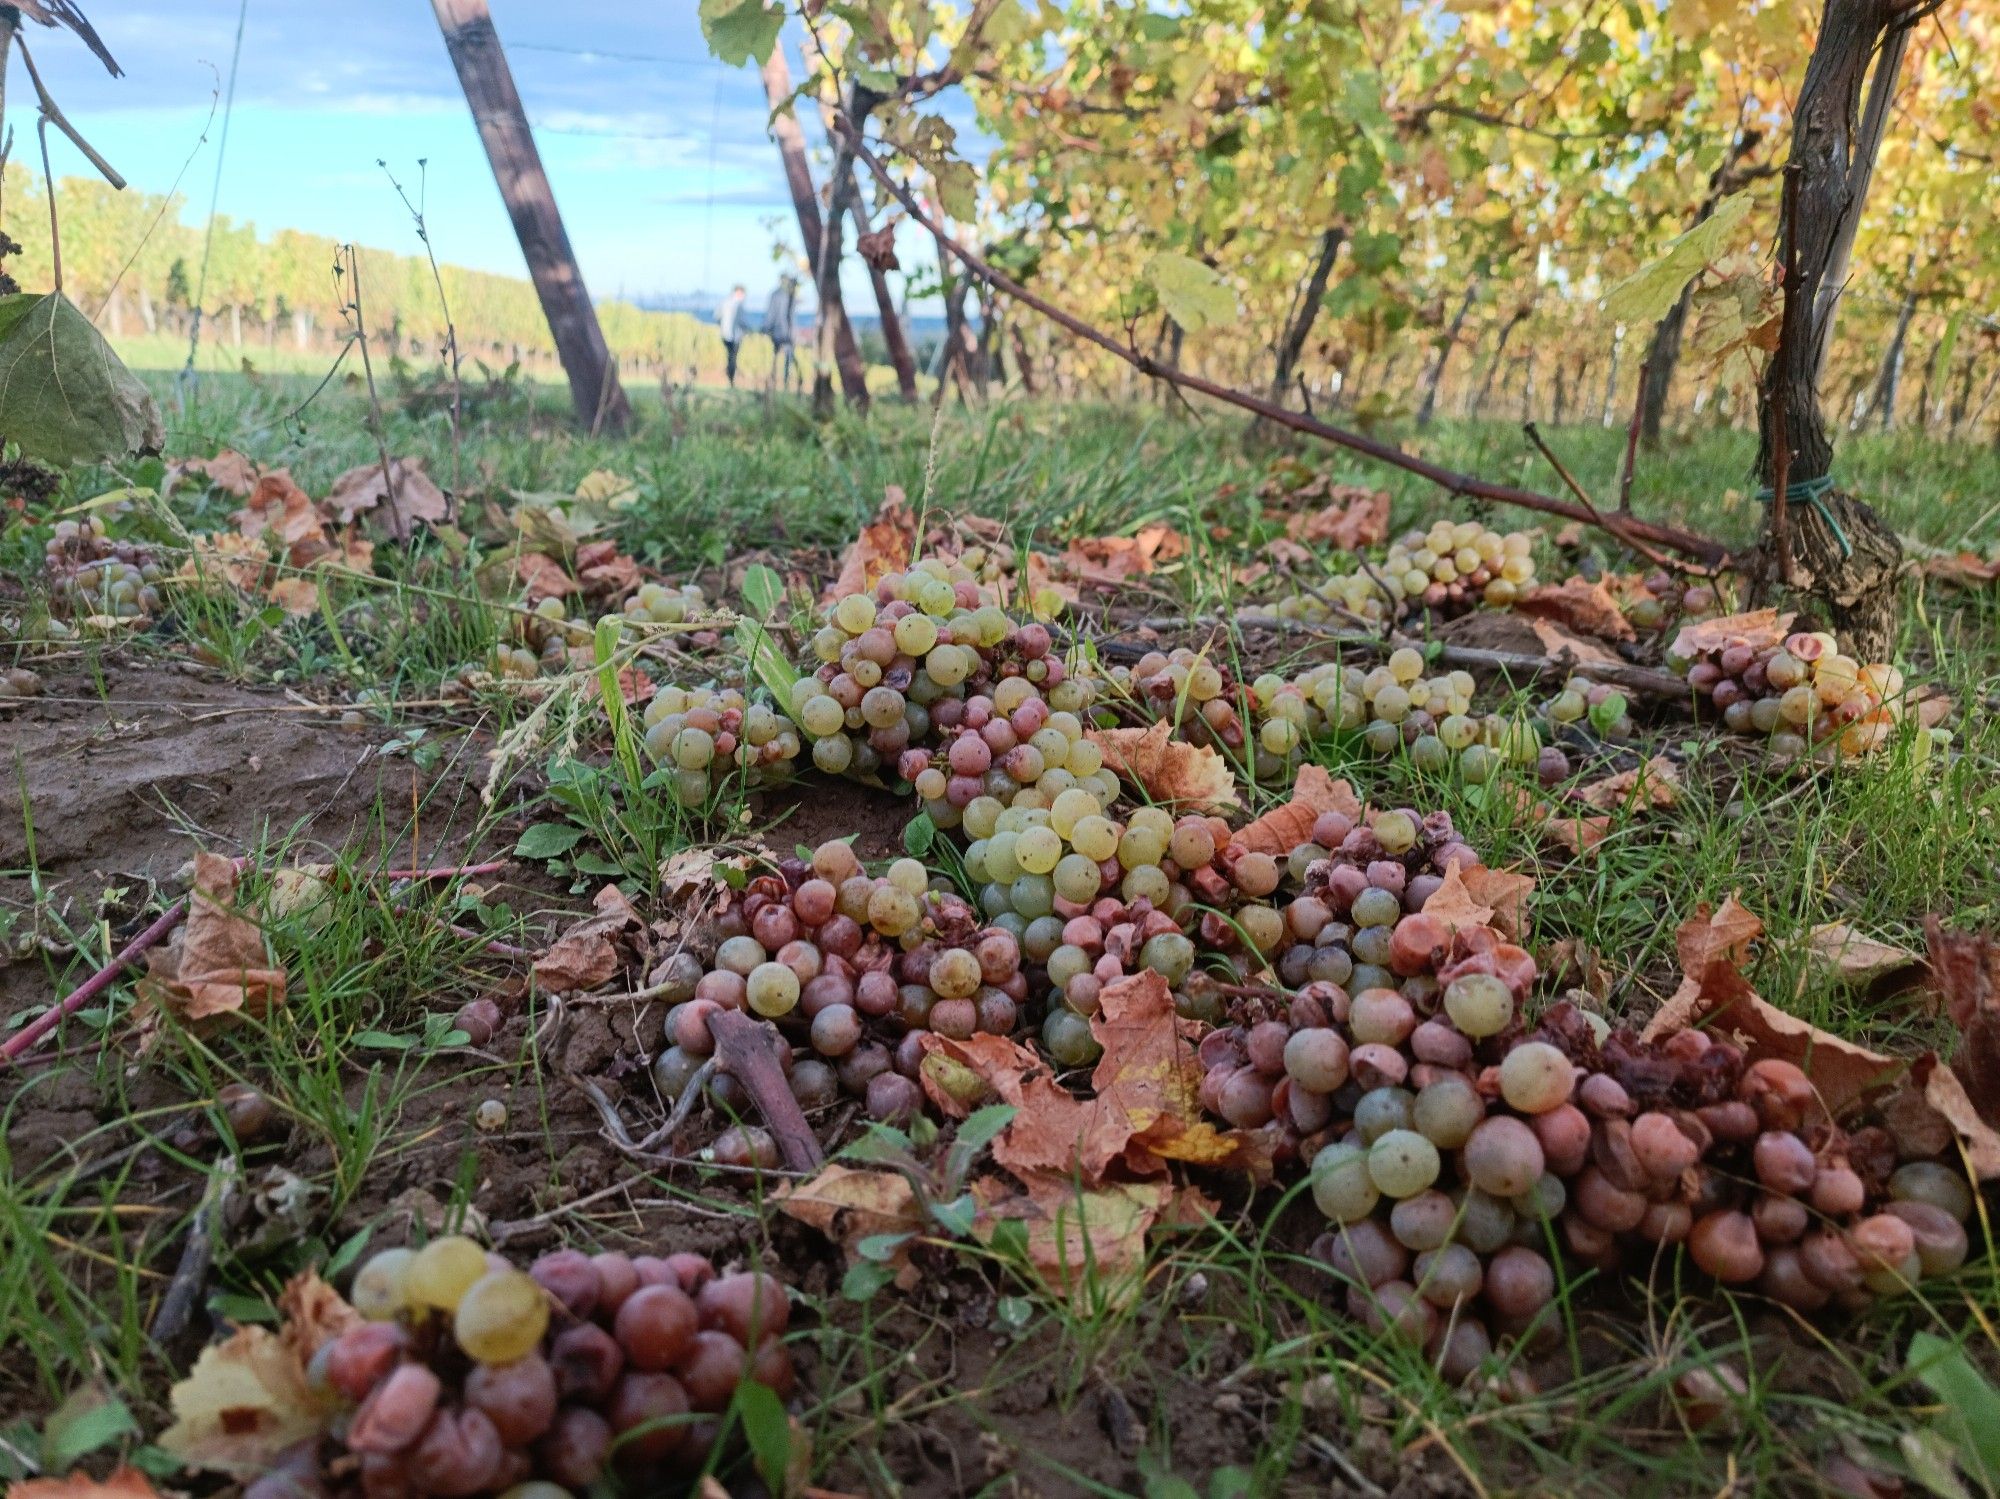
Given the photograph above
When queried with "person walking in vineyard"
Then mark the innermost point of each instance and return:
(729, 318)
(778, 328)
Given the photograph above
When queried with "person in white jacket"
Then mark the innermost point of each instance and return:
(729, 318)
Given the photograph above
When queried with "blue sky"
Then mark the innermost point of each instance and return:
(658, 157)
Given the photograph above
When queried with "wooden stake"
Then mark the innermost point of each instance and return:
(517, 166)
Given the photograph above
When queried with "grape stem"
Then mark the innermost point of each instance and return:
(30, 1035)
(191, 1274)
(750, 1054)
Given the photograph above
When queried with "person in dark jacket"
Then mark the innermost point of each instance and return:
(779, 329)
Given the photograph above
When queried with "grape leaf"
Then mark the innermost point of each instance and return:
(548, 840)
(1192, 294)
(64, 396)
(763, 589)
(1650, 292)
(740, 31)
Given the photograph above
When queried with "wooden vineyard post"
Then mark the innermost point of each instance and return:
(488, 82)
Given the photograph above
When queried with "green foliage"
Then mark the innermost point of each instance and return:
(1646, 295)
(740, 31)
(64, 396)
(1192, 294)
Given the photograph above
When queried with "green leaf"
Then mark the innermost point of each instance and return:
(1160, 1481)
(740, 31)
(548, 840)
(1971, 1415)
(1191, 293)
(919, 833)
(1376, 253)
(864, 1279)
(768, 1430)
(880, 1249)
(1013, 1312)
(1649, 293)
(90, 1419)
(763, 589)
(957, 188)
(1933, 1462)
(881, 1142)
(347, 1254)
(767, 662)
(957, 1215)
(64, 396)
(983, 1126)
(589, 863)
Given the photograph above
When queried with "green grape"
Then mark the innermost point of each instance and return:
(982, 816)
(1095, 837)
(909, 876)
(1192, 844)
(1341, 1186)
(1169, 954)
(834, 753)
(1402, 1163)
(948, 664)
(1065, 963)
(1447, 1111)
(1141, 845)
(1479, 1004)
(378, 1291)
(1085, 758)
(1038, 850)
(693, 749)
(855, 613)
(1147, 882)
(1396, 832)
(1032, 895)
(501, 1317)
(916, 634)
(1077, 878)
(1067, 1035)
(772, 990)
(441, 1271)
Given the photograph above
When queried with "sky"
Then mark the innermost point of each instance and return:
(657, 153)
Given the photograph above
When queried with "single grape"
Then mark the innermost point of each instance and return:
(1402, 1163)
(380, 1289)
(1479, 1004)
(1341, 1185)
(655, 1327)
(1535, 1077)
(1503, 1157)
(501, 1317)
(442, 1271)
(519, 1398)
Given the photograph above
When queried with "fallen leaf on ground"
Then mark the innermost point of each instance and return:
(545, 577)
(314, 1315)
(1966, 568)
(1758, 628)
(245, 1401)
(1107, 561)
(592, 951)
(228, 472)
(365, 490)
(1580, 605)
(1560, 643)
(124, 1483)
(604, 571)
(884, 546)
(1506, 891)
(216, 963)
(1838, 951)
(1455, 905)
(1657, 783)
(611, 490)
(298, 597)
(1570, 830)
(1194, 778)
(1354, 517)
(1283, 829)
(848, 1206)
(1087, 1242)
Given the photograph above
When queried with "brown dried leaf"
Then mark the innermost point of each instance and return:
(364, 490)
(1108, 561)
(1088, 1242)
(216, 964)
(885, 545)
(1283, 829)
(594, 950)
(1579, 605)
(1836, 950)
(848, 1206)
(1356, 517)
(1455, 905)
(878, 247)
(1760, 627)
(124, 1483)
(1968, 569)
(604, 571)
(545, 577)
(1506, 891)
(314, 1315)
(1170, 770)
(298, 597)
(1966, 969)
(245, 1402)
(228, 472)
(1657, 783)
(1560, 643)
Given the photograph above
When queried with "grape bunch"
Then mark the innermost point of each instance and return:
(853, 968)
(1662, 599)
(710, 732)
(1395, 709)
(663, 604)
(923, 662)
(1458, 1155)
(1804, 696)
(1200, 697)
(93, 575)
(471, 1376)
(1453, 567)
(1606, 710)
(1006, 746)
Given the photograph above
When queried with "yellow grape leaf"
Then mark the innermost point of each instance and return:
(611, 490)
(1192, 294)
(1650, 292)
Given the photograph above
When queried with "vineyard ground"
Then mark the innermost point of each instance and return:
(971, 1383)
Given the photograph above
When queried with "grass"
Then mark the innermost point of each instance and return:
(1228, 1339)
